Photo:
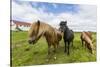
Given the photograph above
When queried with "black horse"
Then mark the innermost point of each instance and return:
(68, 35)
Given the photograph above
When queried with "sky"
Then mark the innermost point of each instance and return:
(79, 17)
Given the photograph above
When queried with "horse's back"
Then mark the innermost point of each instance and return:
(51, 34)
(89, 34)
(85, 37)
(86, 34)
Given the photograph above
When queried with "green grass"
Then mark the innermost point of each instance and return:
(26, 54)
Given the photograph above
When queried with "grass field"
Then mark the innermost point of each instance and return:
(25, 54)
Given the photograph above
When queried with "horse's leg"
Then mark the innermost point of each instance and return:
(49, 46)
(68, 47)
(58, 45)
(55, 46)
(49, 50)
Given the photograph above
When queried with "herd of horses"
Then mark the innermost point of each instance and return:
(54, 36)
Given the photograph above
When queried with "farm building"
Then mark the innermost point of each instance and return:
(19, 25)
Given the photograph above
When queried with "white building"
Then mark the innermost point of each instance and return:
(19, 25)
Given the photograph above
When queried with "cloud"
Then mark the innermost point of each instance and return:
(28, 13)
(54, 5)
(84, 19)
(23, 11)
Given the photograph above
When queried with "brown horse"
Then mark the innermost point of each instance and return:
(39, 29)
(88, 41)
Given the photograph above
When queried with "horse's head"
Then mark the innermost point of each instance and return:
(62, 25)
(34, 33)
(92, 47)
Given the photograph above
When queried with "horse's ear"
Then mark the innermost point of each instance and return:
(38, 22)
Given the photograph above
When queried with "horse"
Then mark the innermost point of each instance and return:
(88, 41)
(68, 35)
(88, 33)
(39, 29)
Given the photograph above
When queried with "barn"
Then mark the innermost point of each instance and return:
(19, 25)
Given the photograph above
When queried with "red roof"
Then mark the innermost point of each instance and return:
(21, 23)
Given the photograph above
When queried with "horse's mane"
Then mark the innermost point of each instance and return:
(33, 27)
(42, 27)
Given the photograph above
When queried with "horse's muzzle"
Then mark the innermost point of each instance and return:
(29, 41)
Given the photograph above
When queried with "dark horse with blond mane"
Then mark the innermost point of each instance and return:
(39, 29)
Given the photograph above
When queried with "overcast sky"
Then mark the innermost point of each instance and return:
(79, 17)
